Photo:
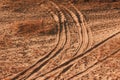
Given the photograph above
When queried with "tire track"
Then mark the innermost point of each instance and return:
(65, 47)
(84, 23)
(73, 60)
(83, 64)
(78, 26)
(69, 62)
(56, 19)
(62, 18)
(93, 66)
(82, 40)
(84, 31)
(66, 15)
(95, 45)
(60, 44)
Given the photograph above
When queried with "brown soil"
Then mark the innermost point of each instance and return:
(59, 40)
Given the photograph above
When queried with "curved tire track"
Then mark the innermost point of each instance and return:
(79, 21)
(76, 27)
(69, 33)
(81, 38)
(42, 59)
(63, 40)
(58, 48)
(83, 30)
(86, 29)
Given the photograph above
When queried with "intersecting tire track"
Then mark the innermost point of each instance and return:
(68, 33)
(83, 48)
(73, 60)
(77, 21)
(99, 61)
(84, 31)
(86, 35)
(77, 26)
(82, 39)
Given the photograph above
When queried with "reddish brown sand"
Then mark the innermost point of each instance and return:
(59, 40)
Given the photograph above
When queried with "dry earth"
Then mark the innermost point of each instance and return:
(59, 40)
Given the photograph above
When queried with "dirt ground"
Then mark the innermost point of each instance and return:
(59, 40)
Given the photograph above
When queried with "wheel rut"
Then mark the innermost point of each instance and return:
(80, 31)
(57, 53)
(86, 53)
(57, 49)
(70, 21)
(73, 49)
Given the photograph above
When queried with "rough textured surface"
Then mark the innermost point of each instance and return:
(59, 40)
